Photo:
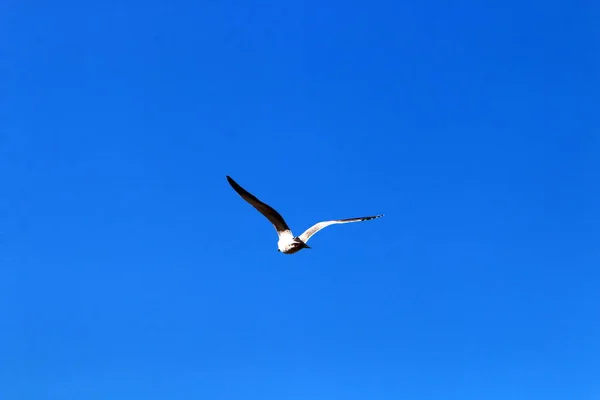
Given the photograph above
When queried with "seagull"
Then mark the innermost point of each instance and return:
(288, 243)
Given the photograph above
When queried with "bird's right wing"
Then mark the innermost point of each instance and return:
(272, 215)
(318, 226)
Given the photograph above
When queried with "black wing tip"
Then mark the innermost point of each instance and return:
(236, 186)
(231, 181)
(362, 218)
(372, 217)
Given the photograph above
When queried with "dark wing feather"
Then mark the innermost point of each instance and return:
(272, 215)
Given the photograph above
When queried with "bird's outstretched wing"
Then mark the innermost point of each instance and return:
(272, 215)
(318, 226)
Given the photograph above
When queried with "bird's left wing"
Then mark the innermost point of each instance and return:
(266, 210)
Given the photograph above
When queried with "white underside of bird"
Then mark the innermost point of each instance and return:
(288, 243)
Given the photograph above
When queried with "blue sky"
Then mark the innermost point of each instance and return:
(129, 268)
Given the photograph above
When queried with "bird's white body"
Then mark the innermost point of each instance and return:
(288, 243)
(285, 242)
(289, 247)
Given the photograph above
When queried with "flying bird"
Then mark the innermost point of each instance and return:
(288, 243)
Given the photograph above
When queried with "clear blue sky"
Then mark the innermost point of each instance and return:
(131, 269)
